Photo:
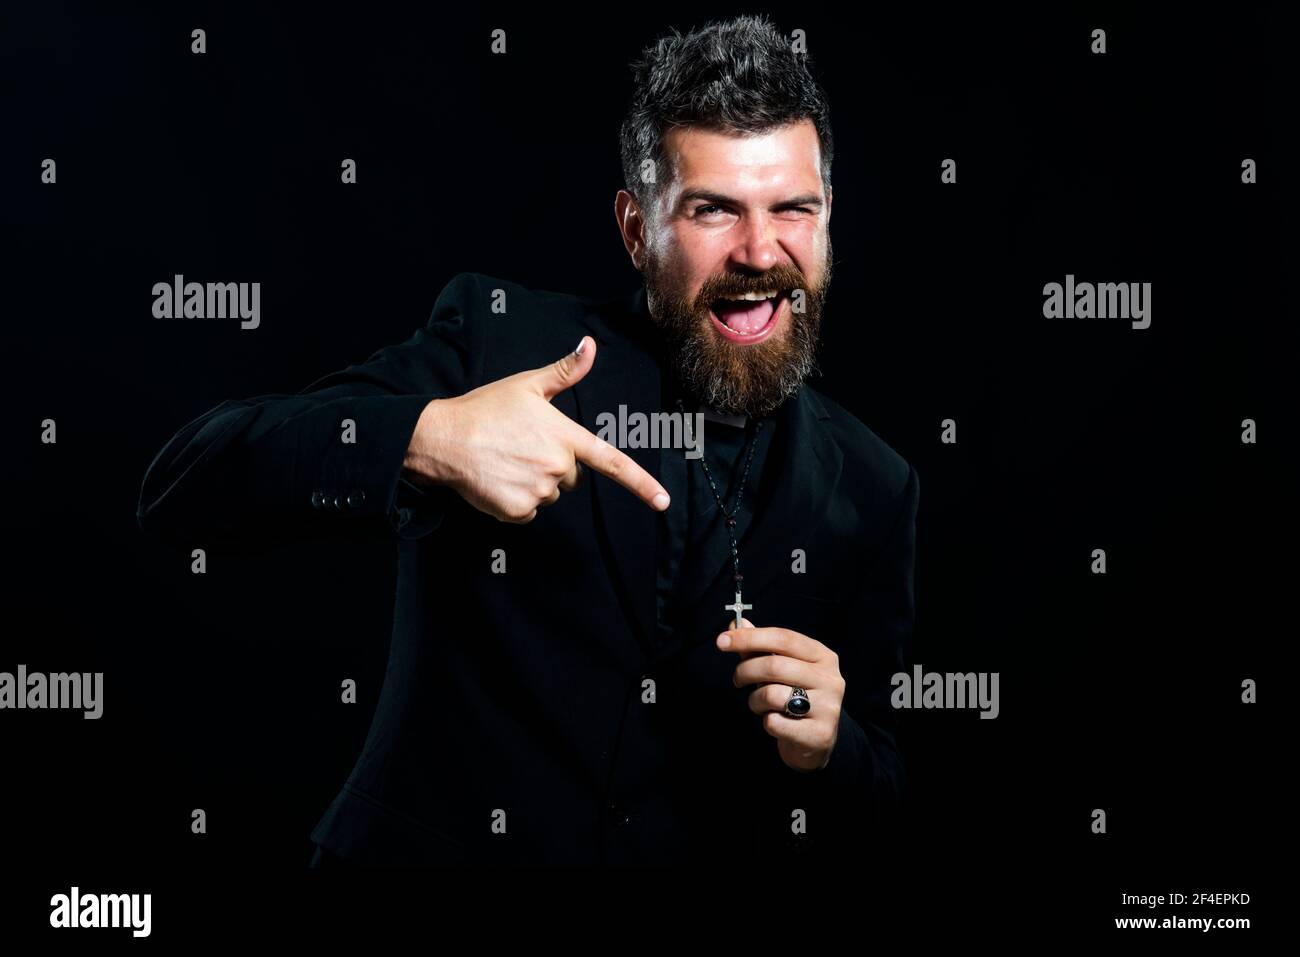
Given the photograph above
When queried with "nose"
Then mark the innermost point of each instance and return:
(756, 245)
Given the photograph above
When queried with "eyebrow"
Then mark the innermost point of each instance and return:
(691, 195)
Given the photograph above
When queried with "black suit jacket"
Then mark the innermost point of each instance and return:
(537, 699)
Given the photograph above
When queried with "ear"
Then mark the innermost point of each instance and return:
(631, 226)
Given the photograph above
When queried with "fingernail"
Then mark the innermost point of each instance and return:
(661, 501)
(581, 344)
(724, 640)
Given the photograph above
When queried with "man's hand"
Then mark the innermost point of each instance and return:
(778, 659)
(507, 451)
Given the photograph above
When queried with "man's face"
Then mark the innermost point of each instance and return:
(741, 215)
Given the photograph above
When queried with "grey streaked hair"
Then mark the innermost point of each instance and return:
(739, 75)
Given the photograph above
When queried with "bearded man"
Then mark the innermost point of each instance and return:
(643, 655)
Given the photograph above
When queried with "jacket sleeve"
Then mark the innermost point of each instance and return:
(326, 460)
(864, 776)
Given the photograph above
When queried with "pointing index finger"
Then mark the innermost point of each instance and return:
(616, 464)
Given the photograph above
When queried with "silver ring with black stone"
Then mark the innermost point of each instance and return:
(797, 705)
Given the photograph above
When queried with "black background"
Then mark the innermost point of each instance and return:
(221, 691)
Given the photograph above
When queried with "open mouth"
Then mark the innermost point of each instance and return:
(747, 321)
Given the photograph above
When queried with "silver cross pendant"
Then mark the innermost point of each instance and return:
(737, 607)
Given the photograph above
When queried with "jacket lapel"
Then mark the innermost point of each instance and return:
(626, 373)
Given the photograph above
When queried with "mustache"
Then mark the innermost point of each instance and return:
(782, 279)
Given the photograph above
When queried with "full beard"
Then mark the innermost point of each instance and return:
(732, 378)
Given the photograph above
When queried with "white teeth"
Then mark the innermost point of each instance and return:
(754, 296)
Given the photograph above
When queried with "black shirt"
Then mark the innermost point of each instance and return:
(693, 547)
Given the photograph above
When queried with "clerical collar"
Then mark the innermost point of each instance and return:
(713, 415)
